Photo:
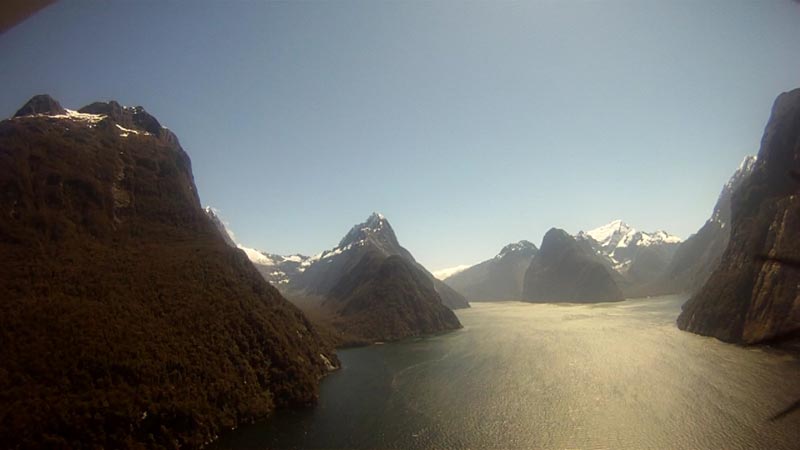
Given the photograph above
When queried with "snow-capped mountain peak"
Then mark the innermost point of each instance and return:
(376, 226)
(520, 246)
(610, 234)
(745, 167)
(643, 239)
(618, 234)
(722, 209)
(620, 243)
(257, 256)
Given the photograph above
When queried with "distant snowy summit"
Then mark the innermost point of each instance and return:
(635, 257)
(616, 235)
(520, 247)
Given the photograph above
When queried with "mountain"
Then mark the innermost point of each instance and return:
(387, 298)
(568, 270)
(499, 278)
(752, 296)
(637, 257)
(125, 318)
(301, 276)
(220, 226)
(696, 258)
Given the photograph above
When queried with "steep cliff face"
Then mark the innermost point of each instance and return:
(499, 278)
(125, 318)
(699, 255)
(750, 299)
(568, 270)
(387, 298)
(223, 232)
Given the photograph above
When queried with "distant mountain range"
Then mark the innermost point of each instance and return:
(640, 263)
(632, 259)
(499, 278)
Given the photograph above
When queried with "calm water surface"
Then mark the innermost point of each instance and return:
(617, 375)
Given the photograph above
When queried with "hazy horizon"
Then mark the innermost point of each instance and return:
(469, 125)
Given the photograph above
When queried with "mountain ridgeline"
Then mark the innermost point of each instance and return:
(635, 258)
(125, 319)
(368, 287)
(752, 296)
(568, 270)
(499, 278)
(640, 263)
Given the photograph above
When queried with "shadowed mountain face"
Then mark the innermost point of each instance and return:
(635, 258)
(699, 255)
(125, 318)
(568, 270)
(219, 226)
(368, 288)
(300, 276)
(749, 299)
(387, 298)
(499, 278)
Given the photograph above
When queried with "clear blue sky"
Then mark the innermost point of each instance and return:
(469, 125)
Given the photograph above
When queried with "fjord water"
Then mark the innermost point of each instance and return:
(614, 375)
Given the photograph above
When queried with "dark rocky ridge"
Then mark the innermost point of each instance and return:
(220, 226)
(135, 117)
(126, 320)
(699, 255)
(568, 270)
(387, 298)
(749, 299)
(499, 278)
(40, 104)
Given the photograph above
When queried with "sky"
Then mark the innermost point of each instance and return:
(468, 124)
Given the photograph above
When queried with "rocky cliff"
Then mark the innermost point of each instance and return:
(125, 318)
(699, 255)
(568, 270)
(634, 258)
(752, 297)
